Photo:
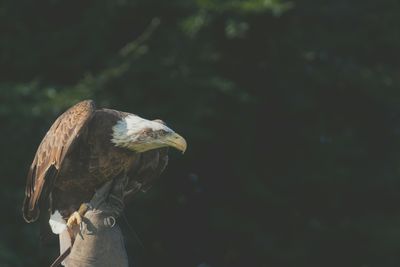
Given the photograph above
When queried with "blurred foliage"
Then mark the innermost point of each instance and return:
(291, 110)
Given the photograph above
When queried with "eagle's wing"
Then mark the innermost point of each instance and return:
(51, 152)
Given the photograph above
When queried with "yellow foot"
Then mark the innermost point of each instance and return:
(76, 217)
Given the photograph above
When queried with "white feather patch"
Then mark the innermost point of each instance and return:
(127, 130)
(57, 223)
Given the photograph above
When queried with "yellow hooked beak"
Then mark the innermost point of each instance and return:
(176, 141)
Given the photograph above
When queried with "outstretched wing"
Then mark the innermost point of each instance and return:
(51, 153)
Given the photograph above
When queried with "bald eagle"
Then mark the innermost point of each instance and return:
(87, 147)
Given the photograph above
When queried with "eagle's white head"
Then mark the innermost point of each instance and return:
(140, 135)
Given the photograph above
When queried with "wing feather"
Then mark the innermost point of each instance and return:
(51, 152)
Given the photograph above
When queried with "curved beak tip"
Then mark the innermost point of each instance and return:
(183, 146)
(180, 143)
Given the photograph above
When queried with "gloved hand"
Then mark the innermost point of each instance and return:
(99, 241)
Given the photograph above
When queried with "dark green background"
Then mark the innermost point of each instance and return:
(291, 111)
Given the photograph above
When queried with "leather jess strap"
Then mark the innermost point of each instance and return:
(60, 258)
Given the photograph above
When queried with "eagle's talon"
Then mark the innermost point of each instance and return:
(74, 219)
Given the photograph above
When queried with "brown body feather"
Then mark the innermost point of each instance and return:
(77, 156)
